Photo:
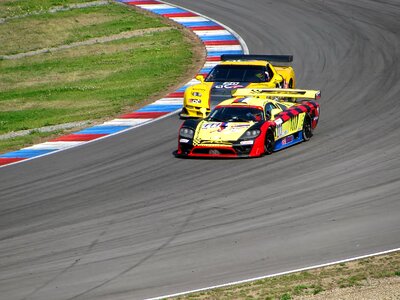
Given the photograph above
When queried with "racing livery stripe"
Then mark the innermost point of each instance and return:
(217, 40)
(294, 111)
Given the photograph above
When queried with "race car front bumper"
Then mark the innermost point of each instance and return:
(192, 112)
(214, 151)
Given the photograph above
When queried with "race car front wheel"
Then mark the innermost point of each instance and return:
(307, 129)
(269, 143)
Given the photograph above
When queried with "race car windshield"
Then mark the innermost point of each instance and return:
(225, 73)
(236, 114)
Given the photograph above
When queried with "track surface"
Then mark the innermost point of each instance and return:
(123, 219)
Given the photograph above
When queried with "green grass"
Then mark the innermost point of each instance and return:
(54, 29)
(93, 82)
(27, 140)
(88, 82)
(311, 282)
(11, 8)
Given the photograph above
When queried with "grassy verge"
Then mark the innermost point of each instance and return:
(92, 82)
(32, 138)
(65, 27)
(313, 282)
(12, 8)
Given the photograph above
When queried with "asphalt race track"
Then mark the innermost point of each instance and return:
(122, 218)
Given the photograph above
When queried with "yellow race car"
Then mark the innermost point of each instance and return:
(252, 124)
(236, 71)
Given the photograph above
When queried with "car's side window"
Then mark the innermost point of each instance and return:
(283, 107)
(269, 72)
(268, 107)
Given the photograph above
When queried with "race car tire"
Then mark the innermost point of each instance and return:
(307, 128)
(269, 143)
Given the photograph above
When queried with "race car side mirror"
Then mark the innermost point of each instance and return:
(200, 78)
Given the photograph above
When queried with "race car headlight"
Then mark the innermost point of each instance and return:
(196, 94)
(186, 133)
(195, 101)
(251, 134)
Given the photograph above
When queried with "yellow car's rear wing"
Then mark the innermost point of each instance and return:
(278, 93)
(274, 58)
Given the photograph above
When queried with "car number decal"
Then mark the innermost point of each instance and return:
(278, 123)
(229, 85)
(211, 125)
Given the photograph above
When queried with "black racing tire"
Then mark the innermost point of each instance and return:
(269, 143)
(307, 128)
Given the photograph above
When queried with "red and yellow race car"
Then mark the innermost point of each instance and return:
(236, 71)
(253, 123)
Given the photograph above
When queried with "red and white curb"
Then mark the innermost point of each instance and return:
(217, 38)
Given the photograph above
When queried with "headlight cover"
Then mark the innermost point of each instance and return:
(196, 94)
(250, 134)
(195, 101)
(186, 132)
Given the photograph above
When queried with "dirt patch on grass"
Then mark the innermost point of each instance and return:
(371, 289)
(373, 278)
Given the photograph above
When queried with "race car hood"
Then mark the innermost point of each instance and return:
(220, 132)
(217, 92)
(221, 91)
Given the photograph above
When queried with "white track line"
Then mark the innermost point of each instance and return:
(274, 275)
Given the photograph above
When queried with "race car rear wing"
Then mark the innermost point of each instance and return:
(275, 58)
(278, 93)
